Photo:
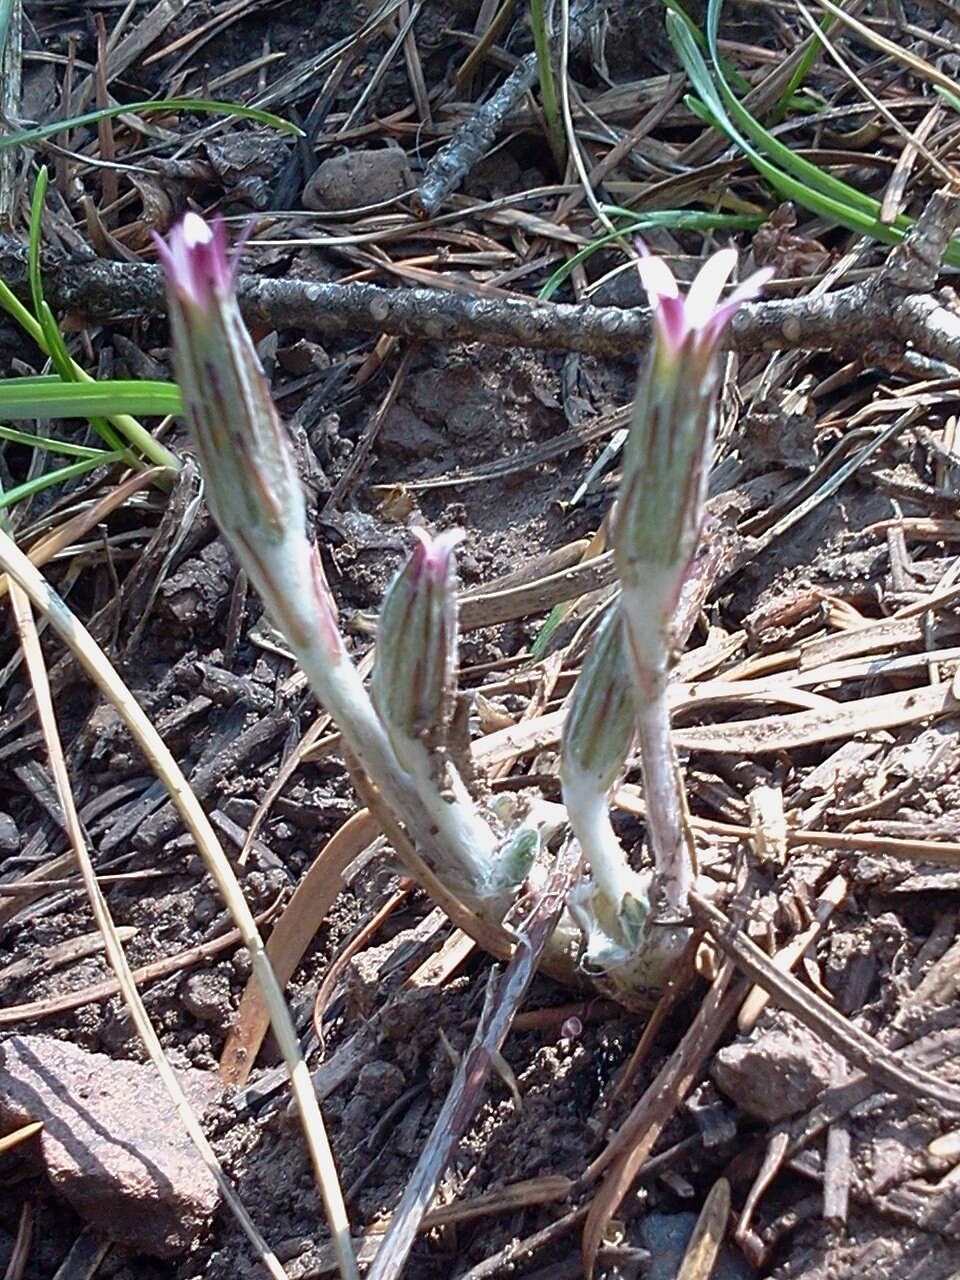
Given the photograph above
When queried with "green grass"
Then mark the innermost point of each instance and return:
(28, 137)
(791, 176)
(635, 223)
(71, 392)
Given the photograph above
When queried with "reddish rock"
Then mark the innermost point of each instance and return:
(112, 1143)
(783, 1069)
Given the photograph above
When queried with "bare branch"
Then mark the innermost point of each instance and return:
(887, 320)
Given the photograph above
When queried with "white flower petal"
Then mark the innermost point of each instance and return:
(195, 230)
(706, 289)
(658, 280)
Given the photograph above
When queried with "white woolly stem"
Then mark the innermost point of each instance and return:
(588, 812)
(647, 614)
(450, 833)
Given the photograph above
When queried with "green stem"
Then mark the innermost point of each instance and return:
(663, 796)
(548, 85)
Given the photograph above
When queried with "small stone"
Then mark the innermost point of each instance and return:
(378, 1084)
(206, 994)
(381, 1080)
(112, 1143)
(9, 836)
(357, 179)
(782, 1070)
(204, 909)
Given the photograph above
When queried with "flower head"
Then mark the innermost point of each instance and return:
(698, 320)
(668, 449)
(195, 260)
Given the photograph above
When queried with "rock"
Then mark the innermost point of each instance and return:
(782, 1070)
(378, 1084)
(382, 1081)
(357, 179)
(206, 994)
(667, 1235)
(112, 1143)
(9, 835)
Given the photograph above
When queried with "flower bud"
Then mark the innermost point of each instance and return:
(599, 728)
(251, 481)
(414, 672)
(667, 455)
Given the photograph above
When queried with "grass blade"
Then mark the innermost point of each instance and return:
(28, 398)
(26, 490)
(679, 219)
(792, 177)
(33, 655)
(53, 446)
(27, 137)
(98, 666)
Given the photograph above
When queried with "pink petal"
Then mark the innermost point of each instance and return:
(194, 258)
(670, 318)
(663, 294)
(744, 292)
(433, 554)
(751, 287)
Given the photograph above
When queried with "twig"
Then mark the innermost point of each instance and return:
(97, 991)
(476, 136)
(638, 1134)
(873, 321)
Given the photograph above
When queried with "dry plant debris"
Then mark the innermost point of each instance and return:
(444, 295)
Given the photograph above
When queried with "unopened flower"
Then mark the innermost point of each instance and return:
(601, 723)
(256, 498)
(597, 736)
(667, 454)
(250, 476)
(413, 680)
(657, 526)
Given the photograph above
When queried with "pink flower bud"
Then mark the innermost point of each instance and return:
(667, 455)
(413, 679)
(250, 477)
(195, 261)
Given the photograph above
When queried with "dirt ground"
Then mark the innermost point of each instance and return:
(466, 435)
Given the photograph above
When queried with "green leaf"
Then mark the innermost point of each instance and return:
(37, 134)
(54, 398)
(53, 446)
(679, 219)
(60, 396)
(53, 340)
(792, 176)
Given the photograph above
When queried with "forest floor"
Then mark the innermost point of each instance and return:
(817, 703)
